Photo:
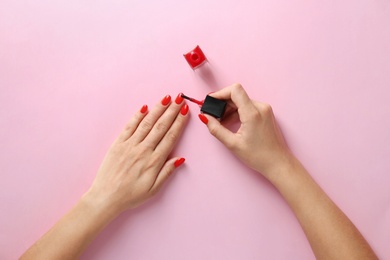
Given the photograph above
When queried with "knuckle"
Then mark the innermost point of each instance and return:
(213, 130)
(169, 172)
(138, 154)
(237, 86)
(161, 127)
(171, 137)
(267, 109)
(128, 127)
(255, 115)
(146, 125)
(143, 148)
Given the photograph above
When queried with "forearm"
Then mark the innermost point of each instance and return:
(73, 232)
(133, 170)
(329, 231)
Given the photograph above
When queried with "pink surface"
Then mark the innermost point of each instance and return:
(73, 72)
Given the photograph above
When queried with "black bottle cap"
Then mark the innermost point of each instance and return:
(214, 107)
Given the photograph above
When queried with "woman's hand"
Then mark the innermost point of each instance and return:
(137, 165)
(134, 169)
(258, 142)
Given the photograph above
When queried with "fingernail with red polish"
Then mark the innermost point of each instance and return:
(203, 119)
(179, 162)
(184, 110)
(144, 108)
(179, 99)
(165, 101)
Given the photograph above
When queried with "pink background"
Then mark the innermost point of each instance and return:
(73, 72)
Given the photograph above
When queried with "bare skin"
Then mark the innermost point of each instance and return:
(133, 170)
(137, 165)
(260, 145)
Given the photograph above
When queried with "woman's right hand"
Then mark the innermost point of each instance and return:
(258, 142)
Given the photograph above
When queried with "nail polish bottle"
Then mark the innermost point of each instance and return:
(214, 107)
(210, 105)
(195, 58)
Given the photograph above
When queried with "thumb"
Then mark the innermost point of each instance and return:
(224, 135)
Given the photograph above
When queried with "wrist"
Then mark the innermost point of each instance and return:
(283, 167)
(99, 206)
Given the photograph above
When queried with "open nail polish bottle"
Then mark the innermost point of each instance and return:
(210, 105)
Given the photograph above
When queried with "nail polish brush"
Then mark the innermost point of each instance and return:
(210, 105)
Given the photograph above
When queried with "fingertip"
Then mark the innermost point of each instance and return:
(203, 118)
(218, 94)
(144, 109)
(220, 132)
(184, 110)
(210, 120)
(166, 100)
(179, 162)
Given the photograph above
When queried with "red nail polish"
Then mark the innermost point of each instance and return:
(211, 106)
(203, 119)
(184, 110)
(179, 99)
(179, 162)
(144, 108)
(200, 103)
(165, 101)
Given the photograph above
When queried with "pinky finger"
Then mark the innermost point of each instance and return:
(132, 125)
(166, 171)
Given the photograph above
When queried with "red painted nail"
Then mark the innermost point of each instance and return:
(165, 101)
(144, 108)
(179, 162)
(179, 99)
(203, 119)
(184, 110)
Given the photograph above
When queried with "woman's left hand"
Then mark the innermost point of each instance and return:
(137, 165)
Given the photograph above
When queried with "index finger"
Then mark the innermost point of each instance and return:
(239, 97)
